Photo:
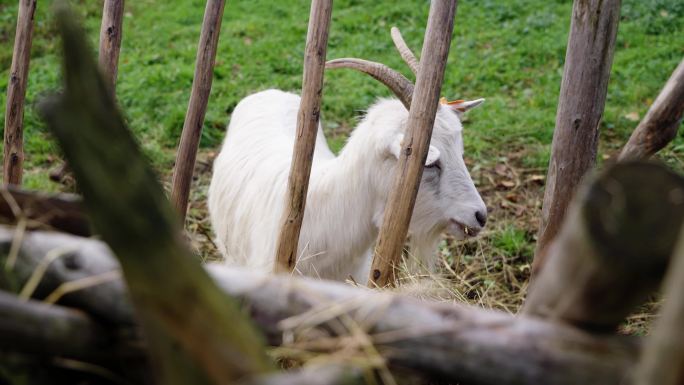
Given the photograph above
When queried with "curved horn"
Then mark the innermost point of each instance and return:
(404, 50)
(396, 82)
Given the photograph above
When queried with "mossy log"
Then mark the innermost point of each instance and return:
(189, 324)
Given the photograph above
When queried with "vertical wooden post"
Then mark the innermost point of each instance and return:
(588, 61)
(662, 359)
(197, 107)
(111, 33)
(16, 94)
(659, 126)
(110, 39)
(307, 127)
(416, 143)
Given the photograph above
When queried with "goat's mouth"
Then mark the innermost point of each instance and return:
(466, 230)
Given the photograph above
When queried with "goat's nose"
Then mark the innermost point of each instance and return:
(481, 217)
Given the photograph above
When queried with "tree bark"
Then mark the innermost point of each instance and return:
(659, 126)
(62, 212)
(662, 359)
(197, 107)
(438, 340)
(37, 328)
(174, 298)
(305, 142)
(613, 249)
(16, 94)
(111, 32)
(409, 169)
(588, 61)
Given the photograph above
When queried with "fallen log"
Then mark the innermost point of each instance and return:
(63, 212)
(437, 340)
(45, 338)
(614, 248)
(66, 259)
(38, 328)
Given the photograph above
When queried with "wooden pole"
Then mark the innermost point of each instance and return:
(307, 127)
(662, 359)
(588, 61)
(176, 302)
(414, 150)
(197, 106)
(659, 126)
(613, 249)
(16, 94)
(110, 39)
(111, 33)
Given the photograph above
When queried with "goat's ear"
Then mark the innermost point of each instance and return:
(395, 149)
(461, 106)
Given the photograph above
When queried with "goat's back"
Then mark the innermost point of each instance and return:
(247, 190)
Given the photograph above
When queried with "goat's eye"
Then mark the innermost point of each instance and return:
(435, 165)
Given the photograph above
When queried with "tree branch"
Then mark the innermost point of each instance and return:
(659, 126)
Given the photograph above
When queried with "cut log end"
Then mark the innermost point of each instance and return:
(634, 212)
(614, 248)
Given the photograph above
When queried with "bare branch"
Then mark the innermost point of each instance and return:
(659, 126)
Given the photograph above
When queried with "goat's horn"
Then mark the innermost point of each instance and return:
(396, 82)
(404, 50)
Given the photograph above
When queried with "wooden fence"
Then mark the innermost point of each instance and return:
(601, 255)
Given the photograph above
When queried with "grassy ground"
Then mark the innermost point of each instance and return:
(510, 52)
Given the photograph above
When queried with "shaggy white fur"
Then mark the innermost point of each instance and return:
(347, 193)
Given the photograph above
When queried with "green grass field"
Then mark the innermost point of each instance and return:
(510, 52)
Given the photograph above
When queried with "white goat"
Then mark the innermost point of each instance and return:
(347, 193)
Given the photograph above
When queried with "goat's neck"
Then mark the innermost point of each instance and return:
(344, 195)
